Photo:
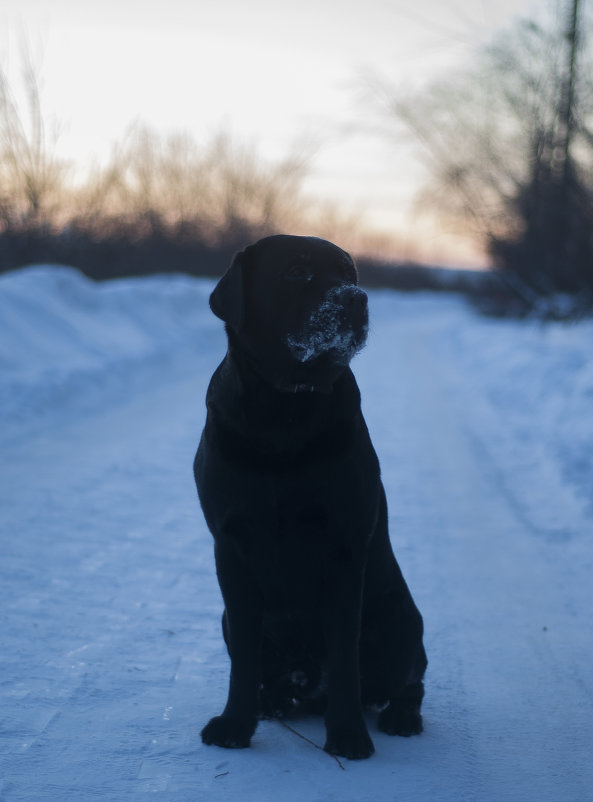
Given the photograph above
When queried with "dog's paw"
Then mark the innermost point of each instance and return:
(353, 744)
(227, 732)
(402, 720)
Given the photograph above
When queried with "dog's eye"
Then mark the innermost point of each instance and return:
(298, 272)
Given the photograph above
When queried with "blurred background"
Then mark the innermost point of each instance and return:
(162, 137)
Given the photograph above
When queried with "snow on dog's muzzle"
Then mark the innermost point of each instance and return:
(339, 326)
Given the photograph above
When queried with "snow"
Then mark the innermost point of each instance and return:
(324, 331)
(111, 656)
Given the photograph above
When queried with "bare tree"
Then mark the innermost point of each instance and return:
(157, 194)
(509, 147)
(31, 174)
(219, 192)
(250, 195)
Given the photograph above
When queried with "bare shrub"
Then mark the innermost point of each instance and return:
(32, 178)
(160, 202)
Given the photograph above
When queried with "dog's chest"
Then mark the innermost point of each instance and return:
(286, 544)
(286, 526)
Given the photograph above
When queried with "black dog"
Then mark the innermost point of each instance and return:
(317, 612)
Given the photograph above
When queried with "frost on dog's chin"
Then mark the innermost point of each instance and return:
(323, 333)
(308, 348)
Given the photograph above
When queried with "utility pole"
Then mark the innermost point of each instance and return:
(562, 207)
(567, 117)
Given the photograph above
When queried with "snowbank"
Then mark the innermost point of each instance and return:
(60, 332)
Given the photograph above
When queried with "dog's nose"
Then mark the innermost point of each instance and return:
(354, 303)
(352, 297)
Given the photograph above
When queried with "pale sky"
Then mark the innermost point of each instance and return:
(270, 73)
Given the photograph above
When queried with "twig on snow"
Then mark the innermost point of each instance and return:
(309, 741)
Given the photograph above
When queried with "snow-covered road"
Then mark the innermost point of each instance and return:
(111, 657)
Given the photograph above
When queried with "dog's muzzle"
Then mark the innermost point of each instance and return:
(338, 327)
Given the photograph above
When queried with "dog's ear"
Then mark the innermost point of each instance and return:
(227, 298)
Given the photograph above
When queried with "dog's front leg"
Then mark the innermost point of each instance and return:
(347, 733)
(235, 726)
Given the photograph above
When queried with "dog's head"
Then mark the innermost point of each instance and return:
(293, 308)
